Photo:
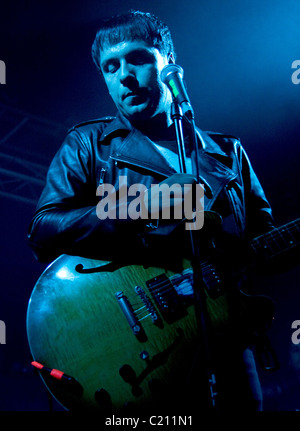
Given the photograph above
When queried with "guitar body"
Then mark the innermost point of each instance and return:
(76, 324)
(127, 335)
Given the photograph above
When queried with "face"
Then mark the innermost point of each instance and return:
(131, 70)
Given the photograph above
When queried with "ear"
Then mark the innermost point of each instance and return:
(171, 59)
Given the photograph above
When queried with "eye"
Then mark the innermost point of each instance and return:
(140, 58)
(137, 61)
(111, 67)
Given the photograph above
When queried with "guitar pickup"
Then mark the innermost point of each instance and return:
(166, 298)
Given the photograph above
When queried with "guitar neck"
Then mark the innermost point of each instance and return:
(278, 241)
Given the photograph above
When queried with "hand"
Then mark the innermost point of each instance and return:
(166, 199)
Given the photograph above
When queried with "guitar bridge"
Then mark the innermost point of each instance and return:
(149, 306)
(130, 316)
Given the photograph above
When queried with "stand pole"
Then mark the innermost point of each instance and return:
(198, 283)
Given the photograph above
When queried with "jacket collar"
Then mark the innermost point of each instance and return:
(119, 123)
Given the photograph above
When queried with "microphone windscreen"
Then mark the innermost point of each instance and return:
(167, 71)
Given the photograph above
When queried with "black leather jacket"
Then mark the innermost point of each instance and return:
(102, 150)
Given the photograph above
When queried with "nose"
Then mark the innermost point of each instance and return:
(126, 72)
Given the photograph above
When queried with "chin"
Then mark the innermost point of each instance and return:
(144, 111)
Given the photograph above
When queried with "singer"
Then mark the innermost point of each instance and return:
(140, 144)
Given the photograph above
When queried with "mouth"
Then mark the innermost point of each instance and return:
(140, 94)
(130, 94)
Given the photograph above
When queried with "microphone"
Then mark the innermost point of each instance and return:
(172, 76)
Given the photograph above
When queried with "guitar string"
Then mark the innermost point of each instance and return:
(273, 238)
(207, 268)
(167, 285)
(141, 308)
(278, 233)
(164, 285)
(142, 318)
(210, 270)
(290, 226)
(272, 248)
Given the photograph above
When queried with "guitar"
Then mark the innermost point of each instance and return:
(127, 334)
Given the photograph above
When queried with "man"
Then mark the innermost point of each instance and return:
(139, 146)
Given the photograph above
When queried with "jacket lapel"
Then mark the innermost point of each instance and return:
(138, 150)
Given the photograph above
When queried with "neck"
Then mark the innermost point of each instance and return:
(156, 128)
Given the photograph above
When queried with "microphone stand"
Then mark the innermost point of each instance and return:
(198, 282)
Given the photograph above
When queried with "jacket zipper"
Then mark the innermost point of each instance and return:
(234, 210)
(102, 175)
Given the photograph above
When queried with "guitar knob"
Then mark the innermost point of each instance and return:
(128, 374)
(103, 399)
(144, 355)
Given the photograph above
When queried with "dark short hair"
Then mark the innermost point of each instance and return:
(133, 25)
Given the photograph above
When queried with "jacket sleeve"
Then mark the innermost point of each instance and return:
(65, 220)
(259, 218)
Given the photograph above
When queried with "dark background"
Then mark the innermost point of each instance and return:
(237, 58)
